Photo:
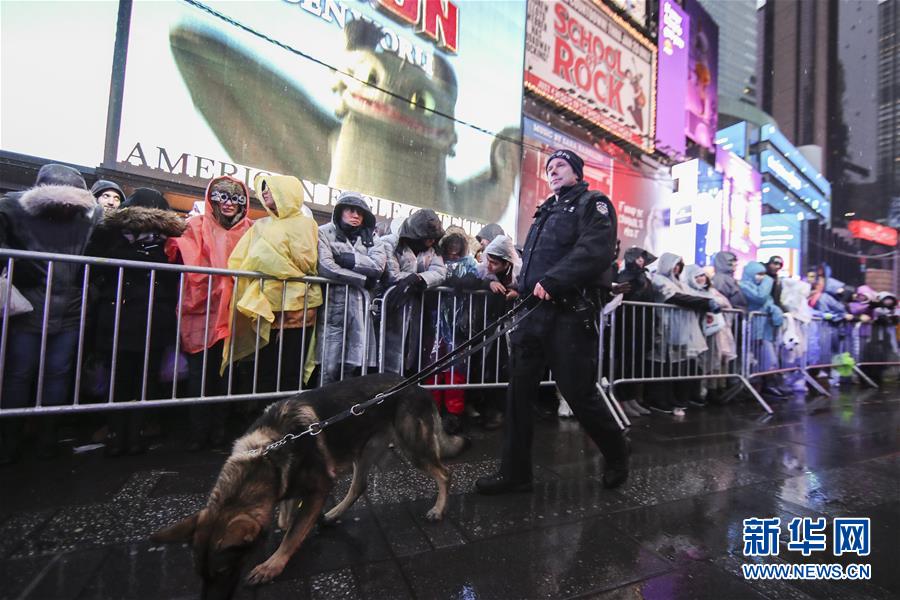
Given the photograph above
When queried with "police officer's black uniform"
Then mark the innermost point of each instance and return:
(570, 250)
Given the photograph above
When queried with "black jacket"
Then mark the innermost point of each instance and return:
(148, 229)
(49, 218)
(571, 244)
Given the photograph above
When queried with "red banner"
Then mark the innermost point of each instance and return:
(867, 230)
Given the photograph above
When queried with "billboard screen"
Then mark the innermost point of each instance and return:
(54, 78)
(416, 103)
(741, 205)
(671, 80)
(583, 57)
(702, 94)
(636, 9)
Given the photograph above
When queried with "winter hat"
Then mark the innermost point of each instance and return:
(570, 157)
(146, 198)
(489, 232)
(56, 174)
(102, 185)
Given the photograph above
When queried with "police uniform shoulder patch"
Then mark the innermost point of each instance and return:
(602, 208)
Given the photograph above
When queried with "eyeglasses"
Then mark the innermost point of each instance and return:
(224, 197)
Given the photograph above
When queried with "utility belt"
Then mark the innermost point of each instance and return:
(584, 304)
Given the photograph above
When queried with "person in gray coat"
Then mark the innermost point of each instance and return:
(348, 254)
(725, 264)
(413, 265)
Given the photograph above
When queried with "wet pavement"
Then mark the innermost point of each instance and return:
(77, 526)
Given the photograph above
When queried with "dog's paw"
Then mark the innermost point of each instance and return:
(265, 572)
(326, 521)
(434, 515)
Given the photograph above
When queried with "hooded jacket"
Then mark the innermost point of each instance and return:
(721, 343)
(681, 327)
(724, 280)
(759, 299)
(137, 231)
(865, 306)
(641, 288)
(53, 218)
(402, 261)
(489, 232)
(423, 224)
(283, 245)
(206, 243)
(503, 248)
(335, 342)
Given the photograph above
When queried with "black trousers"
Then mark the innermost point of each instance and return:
(559, 340)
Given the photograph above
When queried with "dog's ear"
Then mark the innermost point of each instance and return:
(182, 531)
(240, 531)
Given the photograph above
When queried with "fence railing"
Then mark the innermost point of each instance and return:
(115, 334)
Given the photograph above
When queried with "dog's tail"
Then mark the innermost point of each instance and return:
(448, 445)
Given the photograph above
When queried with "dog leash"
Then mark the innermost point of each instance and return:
(465, 349)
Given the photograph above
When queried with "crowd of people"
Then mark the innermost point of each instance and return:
(702, 339)
(156, 333)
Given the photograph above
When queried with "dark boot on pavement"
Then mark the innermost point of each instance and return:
(493, 485)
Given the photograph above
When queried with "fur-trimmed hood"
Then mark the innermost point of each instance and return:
(57, 201)
(139, 219)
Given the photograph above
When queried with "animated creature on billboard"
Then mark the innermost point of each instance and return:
(390, 137)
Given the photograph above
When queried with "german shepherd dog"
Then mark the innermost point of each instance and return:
(241, 505)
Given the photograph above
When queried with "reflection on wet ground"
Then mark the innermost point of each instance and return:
(77, 527)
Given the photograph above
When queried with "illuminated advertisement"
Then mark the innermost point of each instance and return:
(636, 9)
(873, 232)
(733, 138)
(780, 236)
(670, 225)
(391, 99)
(702, 99)
(741, 205)
(800, 187)
(672, 78)
(54, 93)
(633, 192)
(708, 212)
(581, 56)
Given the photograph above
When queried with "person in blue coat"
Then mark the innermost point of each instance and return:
(757, 288)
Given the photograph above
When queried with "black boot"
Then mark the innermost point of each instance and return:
(493, 485)
(616, 450)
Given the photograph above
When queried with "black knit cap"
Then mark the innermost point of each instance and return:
(570, 157)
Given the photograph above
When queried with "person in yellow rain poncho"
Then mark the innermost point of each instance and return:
(283, 245)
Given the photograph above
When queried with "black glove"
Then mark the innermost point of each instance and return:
(346, 260)
(411, 283)
(417, 284)
(371, 283)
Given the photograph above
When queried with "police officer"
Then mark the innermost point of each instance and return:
(568, 255)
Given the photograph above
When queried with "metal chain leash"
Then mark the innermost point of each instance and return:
(463, 350)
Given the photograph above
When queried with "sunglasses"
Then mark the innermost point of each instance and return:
(224, 197)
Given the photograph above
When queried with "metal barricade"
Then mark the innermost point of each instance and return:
(72, 368)
(828, 341)
(767, 353)
(47, 361)
(653, 343)
(415, 330)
